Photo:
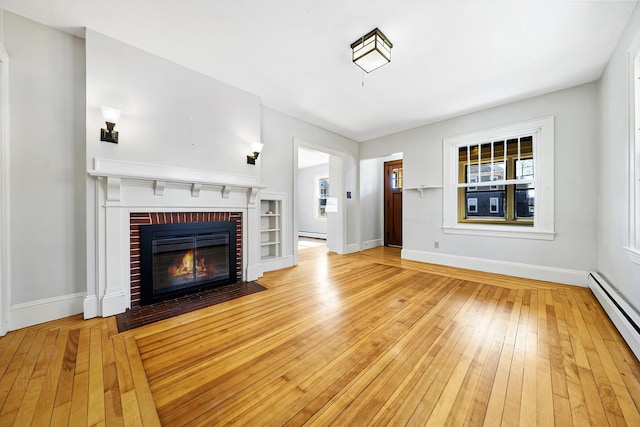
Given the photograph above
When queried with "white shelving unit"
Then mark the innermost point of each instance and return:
(273, 236)
(270, 229)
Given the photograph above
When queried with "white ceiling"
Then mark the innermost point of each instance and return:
(450, 57)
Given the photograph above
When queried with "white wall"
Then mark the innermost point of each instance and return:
(308, 199)
(613, 184)
(170, 115)
(45, 198)
(574, 247)
(47, 216)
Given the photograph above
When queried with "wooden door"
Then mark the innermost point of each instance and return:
(393, 178)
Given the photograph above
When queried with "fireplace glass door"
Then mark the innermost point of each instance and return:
(182, 258)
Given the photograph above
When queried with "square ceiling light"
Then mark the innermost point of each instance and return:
(372, 51)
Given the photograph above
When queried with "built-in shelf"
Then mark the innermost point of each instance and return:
(422, 188)
(272, 210)
(270, 228)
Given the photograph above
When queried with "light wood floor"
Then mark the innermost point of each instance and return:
(362, 339)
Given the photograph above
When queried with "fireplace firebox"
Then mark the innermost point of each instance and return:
(178, 259)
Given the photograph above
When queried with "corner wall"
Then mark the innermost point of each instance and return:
(47, 177)
(572, 253)
(613, 182)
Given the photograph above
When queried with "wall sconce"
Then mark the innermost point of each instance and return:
(111, 116)
(256, 147)
(371, 51)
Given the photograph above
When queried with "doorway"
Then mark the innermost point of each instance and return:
(329, 203)
(393, 182)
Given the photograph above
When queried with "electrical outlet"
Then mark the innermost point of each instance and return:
(436, 245)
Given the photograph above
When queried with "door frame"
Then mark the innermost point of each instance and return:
(5, 276)
(337, 188)
(386, 190)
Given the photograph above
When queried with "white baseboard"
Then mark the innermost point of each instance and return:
(253, 272)
(45, 310)
(91, 307)
(622, 314)
(312, 235)
(529, 271)
(113, 304)
(277, 263)
(372, 244)
(352, 248)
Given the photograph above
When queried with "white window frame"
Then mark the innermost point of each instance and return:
(542, 131)
(316, 180)
(493, 205)
(634, 151)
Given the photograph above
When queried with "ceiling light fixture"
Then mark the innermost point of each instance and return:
(372, 51)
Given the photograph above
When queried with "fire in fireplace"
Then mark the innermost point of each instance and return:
(177, 259)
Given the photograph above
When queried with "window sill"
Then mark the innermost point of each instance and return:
(500, 231)
(634, 254)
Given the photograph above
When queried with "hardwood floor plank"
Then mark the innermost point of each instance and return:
(577, 404)
(592, 401)
(112, 404)
(561, 406)
(8, 347)
(129, 402)
(456, 398)
(513, 397)
(25, 413)
(275, 333)
(407, 347)
(544, 386)
(80, 392)
(130, 409)
(475, 392)
(22, 379)
(359, 339)
(495, 404)
(64, 392)
(423, 390)
(17, 359)
(612, 384)
(346, 344)
(44, 409)
(148, 412)
(96, 410)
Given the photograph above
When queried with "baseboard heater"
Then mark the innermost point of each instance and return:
(622, 314)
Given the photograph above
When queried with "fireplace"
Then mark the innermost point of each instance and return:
(182, 258)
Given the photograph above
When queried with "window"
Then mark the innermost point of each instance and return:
(507, 166)
(496, 182)
(396, 178)
(322, 185)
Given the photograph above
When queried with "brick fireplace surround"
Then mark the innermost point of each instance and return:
(136, 219)
(129, 194)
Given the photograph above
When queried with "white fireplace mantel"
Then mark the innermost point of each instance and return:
(125, 187)
(162, 175)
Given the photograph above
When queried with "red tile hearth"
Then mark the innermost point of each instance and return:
(140, 316)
